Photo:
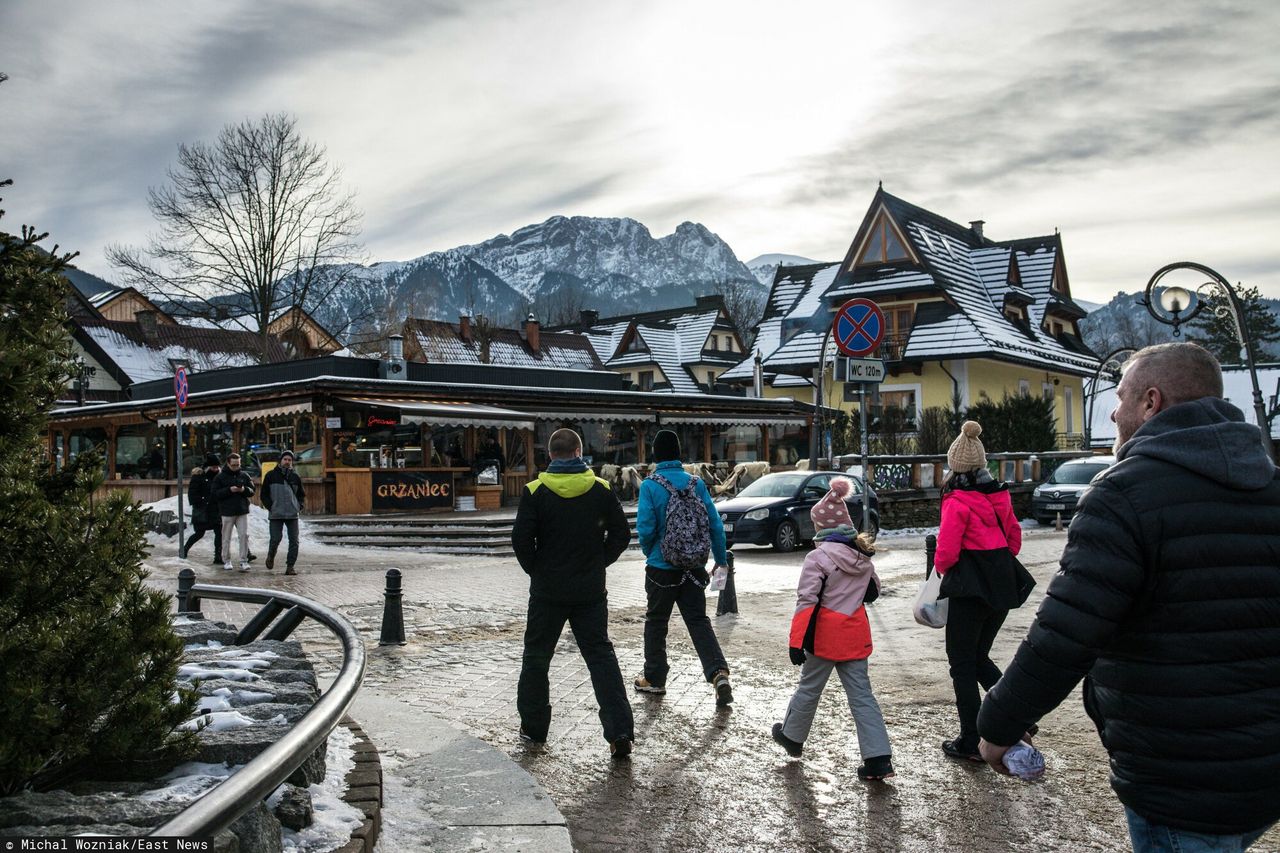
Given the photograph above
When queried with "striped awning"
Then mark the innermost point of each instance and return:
(298, 407)
(632, 416)
(194, 418)
(724, 419)
(450, 413)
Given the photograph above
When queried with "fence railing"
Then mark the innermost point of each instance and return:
(221, 805)
(926, 472)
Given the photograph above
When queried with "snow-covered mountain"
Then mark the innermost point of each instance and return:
(765, 266)
(553, 269)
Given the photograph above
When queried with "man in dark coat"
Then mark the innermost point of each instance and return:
(204, 511)
(232, 489)
(1167, 603)
(568, 530)
(282, 497)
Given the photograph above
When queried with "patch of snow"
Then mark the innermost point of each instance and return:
(333, 820)
(200, 672)
(218, 721)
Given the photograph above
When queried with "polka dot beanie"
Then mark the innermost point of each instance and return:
(831, 512)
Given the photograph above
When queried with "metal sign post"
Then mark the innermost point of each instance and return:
(180, 398)
(858, 329)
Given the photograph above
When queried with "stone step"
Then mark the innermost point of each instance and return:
(454, 533)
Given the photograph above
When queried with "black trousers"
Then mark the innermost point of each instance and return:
(667, 589)
(277, 527)
(200, 531)
(971, 629)
(590, 625)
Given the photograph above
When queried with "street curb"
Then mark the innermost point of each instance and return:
(364, 790)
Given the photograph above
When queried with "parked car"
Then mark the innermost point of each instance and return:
(774, 510)
(1061, 492)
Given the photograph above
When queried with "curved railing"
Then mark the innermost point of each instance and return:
(221, 805)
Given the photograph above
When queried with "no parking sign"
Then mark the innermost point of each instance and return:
(180, 387)
(858, 327)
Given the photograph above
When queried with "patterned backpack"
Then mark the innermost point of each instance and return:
(686, 538)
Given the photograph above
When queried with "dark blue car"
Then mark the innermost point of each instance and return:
(774, 510)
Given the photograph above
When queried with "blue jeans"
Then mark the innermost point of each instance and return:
(1149, 837)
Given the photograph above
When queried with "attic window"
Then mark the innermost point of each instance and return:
(1015, 313)
(636, 344)
(884, 244)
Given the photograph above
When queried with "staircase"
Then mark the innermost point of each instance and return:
(474, 534)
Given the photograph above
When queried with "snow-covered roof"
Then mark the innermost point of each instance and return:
(792, 286)
(441, 341)
(1237, 389)
(146, 355)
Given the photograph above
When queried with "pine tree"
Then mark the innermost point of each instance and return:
(1216, 331)
(88, 656)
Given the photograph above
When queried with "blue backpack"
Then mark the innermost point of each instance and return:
(686, 537)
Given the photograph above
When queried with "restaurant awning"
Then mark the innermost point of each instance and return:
(449, 413)
(724, 419)
(297, 407)
(194, 418)
(628, 416)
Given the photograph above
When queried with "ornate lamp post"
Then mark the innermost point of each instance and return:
(1109, 365)
(1177, 305)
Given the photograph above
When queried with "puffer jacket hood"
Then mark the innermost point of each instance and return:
(1208, 436)
(569, 485)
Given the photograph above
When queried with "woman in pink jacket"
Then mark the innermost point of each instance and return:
(830, 624)
(977, 541)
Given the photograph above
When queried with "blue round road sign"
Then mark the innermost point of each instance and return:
(858, 327)
(180, 386)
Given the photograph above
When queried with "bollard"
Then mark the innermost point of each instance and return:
(930, 550)
(392, 613)
(1057, 522)
(188, 602)
(727, 600)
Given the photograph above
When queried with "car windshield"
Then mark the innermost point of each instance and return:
(1077, 474)
(773, 486)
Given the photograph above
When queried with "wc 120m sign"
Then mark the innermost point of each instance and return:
(409, 490)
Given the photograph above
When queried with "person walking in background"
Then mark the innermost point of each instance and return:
(282, 497)
(204, 509)
(678, 528)
(568, 530)
(830, 631)
(977, 542)
(232, 489)
(1167, 603)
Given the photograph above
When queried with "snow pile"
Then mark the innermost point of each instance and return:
(333, 820)
(218, 721)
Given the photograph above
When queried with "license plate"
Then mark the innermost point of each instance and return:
(728, 528)
(1055, 506)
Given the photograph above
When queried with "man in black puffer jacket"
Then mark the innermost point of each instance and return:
(1167, 603)
(569, 529)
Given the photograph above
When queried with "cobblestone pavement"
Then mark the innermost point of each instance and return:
(704, 778)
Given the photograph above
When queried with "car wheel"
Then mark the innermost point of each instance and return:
(787, 537)
(874, 519)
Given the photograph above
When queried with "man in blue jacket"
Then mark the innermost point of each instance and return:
(668, 586)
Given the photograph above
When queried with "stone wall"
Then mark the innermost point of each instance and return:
(904, 508)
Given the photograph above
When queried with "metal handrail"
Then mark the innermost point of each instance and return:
(219, 807)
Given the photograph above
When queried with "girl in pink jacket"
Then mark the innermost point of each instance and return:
(830, 625)
(979, 526)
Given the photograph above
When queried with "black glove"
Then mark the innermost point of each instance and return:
(873, 592)
(797, 656)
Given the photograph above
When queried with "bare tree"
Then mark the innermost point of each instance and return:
(384, 307)
(744, 302)
(259, 219)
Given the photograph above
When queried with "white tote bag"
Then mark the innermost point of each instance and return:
(928, 610)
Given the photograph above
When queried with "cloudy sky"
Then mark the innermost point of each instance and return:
(1146, 131)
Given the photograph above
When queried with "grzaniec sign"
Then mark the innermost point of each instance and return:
(410, 490)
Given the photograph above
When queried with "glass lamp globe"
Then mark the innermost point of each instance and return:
(1175, 300)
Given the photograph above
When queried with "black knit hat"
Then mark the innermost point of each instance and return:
(666, 446)
(211, 461)
(288, 453)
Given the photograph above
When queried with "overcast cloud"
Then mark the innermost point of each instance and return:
(1147, 131)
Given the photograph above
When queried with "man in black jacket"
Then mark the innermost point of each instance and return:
(1167, 603)
(232, 489)
(204, 510)
(569, 529)
(283, 499)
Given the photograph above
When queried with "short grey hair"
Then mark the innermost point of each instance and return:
(1182, 371)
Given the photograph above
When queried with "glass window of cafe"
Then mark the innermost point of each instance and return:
(787, 444)
(609, 443)
(142, 452)
(199, 440)
(84, 440)
(378, 439)
(736, 443)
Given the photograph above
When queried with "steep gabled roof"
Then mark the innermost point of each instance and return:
(140, 355)
(441, 342)
(792, 294)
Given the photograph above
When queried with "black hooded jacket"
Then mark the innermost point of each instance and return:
(1167, 603)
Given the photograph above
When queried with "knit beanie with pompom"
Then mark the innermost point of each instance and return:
(966, 452)
(831, 512)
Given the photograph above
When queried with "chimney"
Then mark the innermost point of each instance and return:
(393, 366)
(464, 328)
(588, 317)
(147, 323)
(531, 329)
(976, 225)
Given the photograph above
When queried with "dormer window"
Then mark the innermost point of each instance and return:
(884, 244)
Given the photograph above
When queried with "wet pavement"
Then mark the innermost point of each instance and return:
(703, 778)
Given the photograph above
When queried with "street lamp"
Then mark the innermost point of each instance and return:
(1175, 302)
(1110, 364)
